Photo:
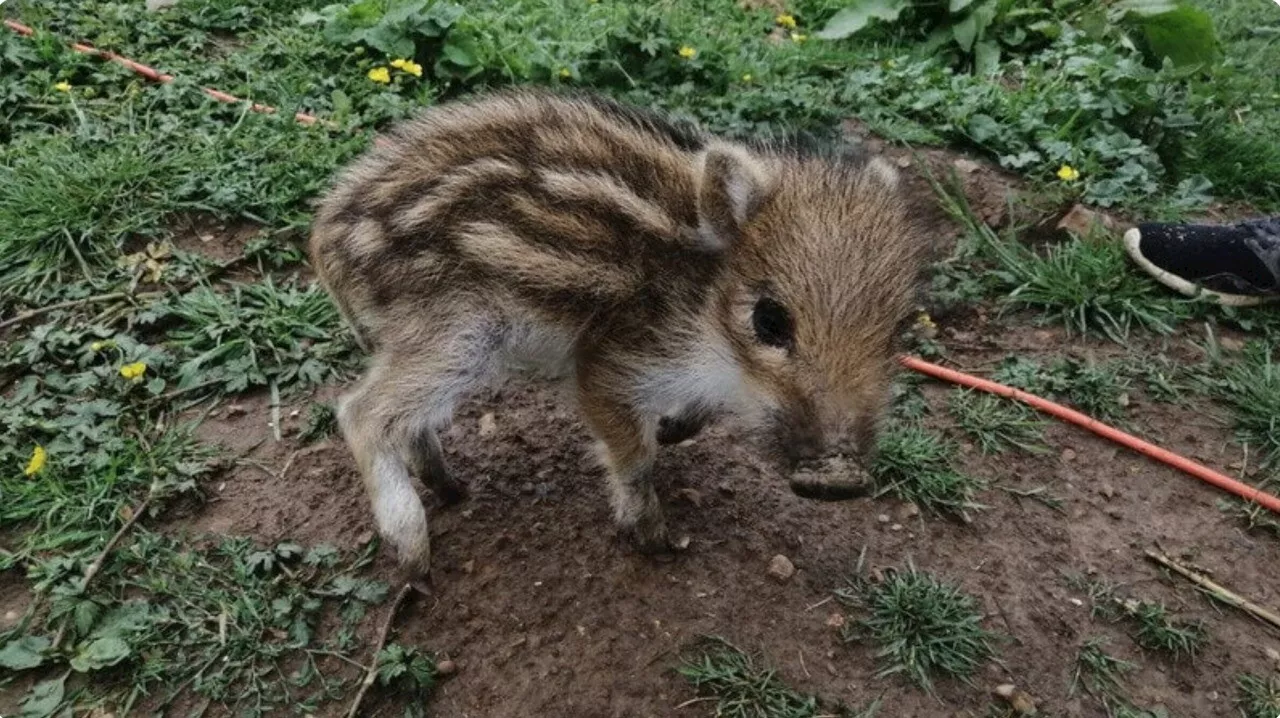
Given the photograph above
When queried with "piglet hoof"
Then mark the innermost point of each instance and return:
(831, 479)
(452, 492)
(651, 541)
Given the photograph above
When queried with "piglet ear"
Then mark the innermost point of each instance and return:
(731, 188)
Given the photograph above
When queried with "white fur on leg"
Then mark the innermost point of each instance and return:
(401, 518)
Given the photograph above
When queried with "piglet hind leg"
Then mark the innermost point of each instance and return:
(389, 421)
(628, 451)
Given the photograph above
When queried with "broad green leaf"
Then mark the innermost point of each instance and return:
(855, 17)
(983, 128)
(23, 653)
(1185, 36)
(958, 5)
(965, 32)
(101, 653)
(986, 58)
(44, 698)
(371, 591)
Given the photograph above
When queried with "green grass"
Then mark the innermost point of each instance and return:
(923, 628)
(253, 335)
(322, 422)
(1258, 696)
(1099, 672)
(1099, 390)
(1157, 630)
(1087, 284)
(1233, 147)
(742, 688)
(1250, 387)
(995, 423)
(915, 464)
(1152, 625)
(225, 623)
(1252, 515)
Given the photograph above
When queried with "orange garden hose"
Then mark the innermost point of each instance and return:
(1071, 416)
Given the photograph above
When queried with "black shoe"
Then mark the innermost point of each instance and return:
(1236, 265)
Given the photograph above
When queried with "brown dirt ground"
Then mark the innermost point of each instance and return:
(546, 614)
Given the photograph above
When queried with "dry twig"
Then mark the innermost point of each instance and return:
(101, 560)
(1222, 594)
(372, 671)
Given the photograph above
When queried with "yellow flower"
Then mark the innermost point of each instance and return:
(380, 75)
(63, 86)
(799, 37)
(408, 66)
(746, 77)
(38, 457)
(566, 72)
(688, 53)
(134, 370)
(785, 20)
(1067, 173)
(924, 321)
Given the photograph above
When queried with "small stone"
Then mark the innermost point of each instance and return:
(726, 489)
(896, 527)
(1114, 513)
(365, 538)
(469, 567)
(835, 620)
(527, 487)
(10, 616)
(1107, 490)
(781, 569)
(1068, 454)
(488, 425)
(966, 166)
(904, 162)
(908, 511)
(1081, 220)
(883, 518)
(693, 496)
(234, 410)
(1123, 400)
(1274, 655)
(1021, 703)
(446, 667)
(681, 543)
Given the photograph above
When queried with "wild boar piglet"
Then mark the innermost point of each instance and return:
(669, 276)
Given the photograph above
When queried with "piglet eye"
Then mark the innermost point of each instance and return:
(772, 323)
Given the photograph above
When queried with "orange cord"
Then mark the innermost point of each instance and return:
(153, 74)
(1199, 471)
(1074, 417)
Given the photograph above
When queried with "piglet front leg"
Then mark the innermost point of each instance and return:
(628, 451)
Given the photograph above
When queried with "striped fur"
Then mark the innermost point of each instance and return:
(625, 252)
